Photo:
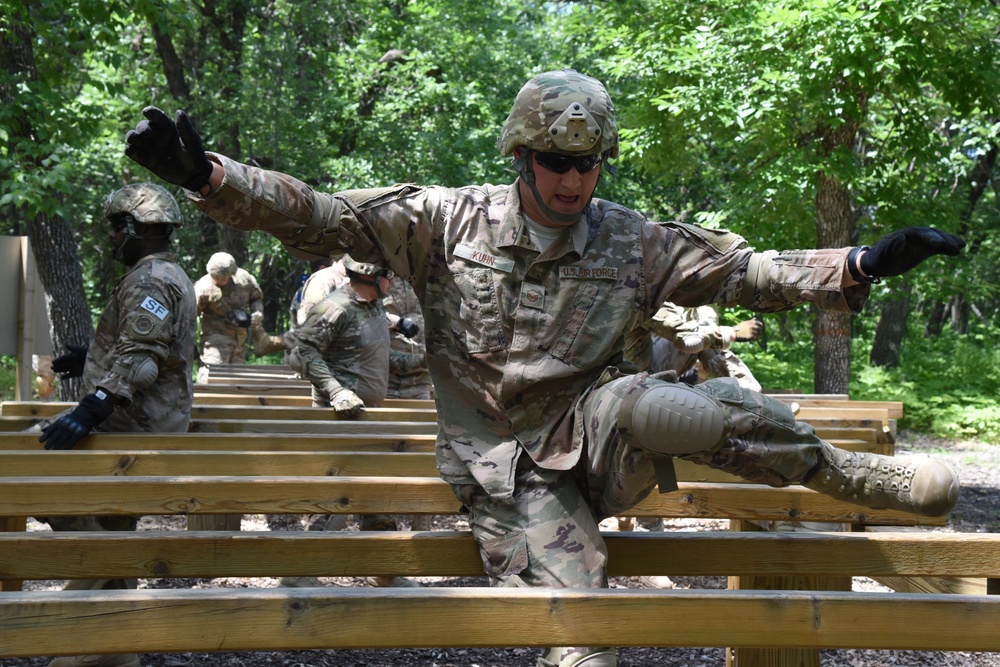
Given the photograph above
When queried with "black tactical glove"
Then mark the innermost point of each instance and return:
(242, 319)
(70, 429)
(748, 330)
(899, 251)
(408, 327)
(171, 150)
(70, 365)
(690, 377)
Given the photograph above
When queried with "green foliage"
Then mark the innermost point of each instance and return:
(788, 362)
(948, 384)
(726, 111)
(8, 377)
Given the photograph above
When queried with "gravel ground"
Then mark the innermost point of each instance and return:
(978, 510)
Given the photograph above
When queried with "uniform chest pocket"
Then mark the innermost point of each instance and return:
(587, 327)
(472, 296)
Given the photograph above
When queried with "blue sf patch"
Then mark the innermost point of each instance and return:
(155, 307)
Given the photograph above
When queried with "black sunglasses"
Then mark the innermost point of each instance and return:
(560, 164)
(386, 273)
(120, 221)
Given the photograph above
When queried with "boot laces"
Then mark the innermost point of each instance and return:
(875, 474)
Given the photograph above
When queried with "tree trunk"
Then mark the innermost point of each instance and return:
(935, 320)
(891, 329)
(228, 20)
(959, 312)
(53, 245)
(58, 261)
(834, 229)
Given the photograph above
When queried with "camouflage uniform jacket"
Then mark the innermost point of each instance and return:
(217, 306)
(400, 302)
(144, 346)
(345, 342)
(516, 338)
(688, 330)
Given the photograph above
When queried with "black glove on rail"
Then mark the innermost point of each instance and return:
(70, 429)
(171, 150)
(242, 319)
(408, 327)
(70, 365)
(899, 251)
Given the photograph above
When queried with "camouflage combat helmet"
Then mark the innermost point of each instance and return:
(561, 112)
(360, 268)
(144, 202)
(221, 266)
(366, 274)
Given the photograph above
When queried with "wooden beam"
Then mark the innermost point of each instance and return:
(71, 496)
(155, 554)
(147, 621)
(230, 442)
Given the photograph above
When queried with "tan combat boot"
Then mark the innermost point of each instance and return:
(916, 484)
(120, 660)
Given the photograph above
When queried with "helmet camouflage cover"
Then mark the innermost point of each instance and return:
(148, 203)
(562, 112)
(221, 265)
(360, 268)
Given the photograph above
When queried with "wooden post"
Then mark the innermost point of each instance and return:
(773, 657)
(25, 324)
(12, 524)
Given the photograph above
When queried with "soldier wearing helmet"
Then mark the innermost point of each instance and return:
(230, 308)
(343, 349)
(528, 291)
(137, 370)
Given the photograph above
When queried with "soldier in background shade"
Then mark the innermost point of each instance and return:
(137, 370)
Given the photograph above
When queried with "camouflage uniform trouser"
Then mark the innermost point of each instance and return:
(548, 535)
(221, 348)
(77, 523)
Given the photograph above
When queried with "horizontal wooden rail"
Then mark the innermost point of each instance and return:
(257, 412)
(157, 554)
(231, 441)
(74, 622)
(69, 496)
(17, 440)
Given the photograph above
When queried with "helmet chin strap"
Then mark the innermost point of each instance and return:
(524, 169)
(364, 280)
(132, 235)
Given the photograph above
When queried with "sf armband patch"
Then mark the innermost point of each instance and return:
(155, 307)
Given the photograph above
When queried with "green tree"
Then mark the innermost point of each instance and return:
(851, 115)
(46, 121)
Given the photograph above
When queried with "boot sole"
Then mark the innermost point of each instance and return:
(674, 419)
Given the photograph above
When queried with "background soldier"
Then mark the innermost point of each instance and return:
(691, 342)
(326, 277)
(343, 350)
(137, 370)
(230, 304)
(406, 323)
(528, 291)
